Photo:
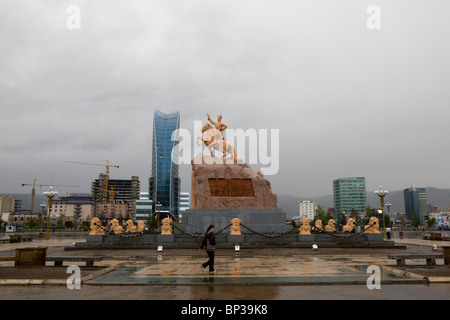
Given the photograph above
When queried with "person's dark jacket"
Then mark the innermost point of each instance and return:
(209, 242)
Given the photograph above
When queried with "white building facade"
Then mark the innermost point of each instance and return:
(185, 204)
(307, 209)
(143, 207)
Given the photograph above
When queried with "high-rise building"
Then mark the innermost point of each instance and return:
(122, 199)
(143, 207)
(6, 204)
(415, 201)
(307, 209)
(164, 182)
(124, 190)
(6, 208)
(184, 203)
(349, 194)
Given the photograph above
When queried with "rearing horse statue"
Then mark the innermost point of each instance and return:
(214, 140)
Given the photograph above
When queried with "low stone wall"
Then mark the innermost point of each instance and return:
(229, 241)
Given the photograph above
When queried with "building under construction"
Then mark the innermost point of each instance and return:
(117, 191)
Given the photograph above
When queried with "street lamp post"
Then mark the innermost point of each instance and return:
(159, 206)
(388, 205)
(43, 205)
(50, 195)
(382, 193)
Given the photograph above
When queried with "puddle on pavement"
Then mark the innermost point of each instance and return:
(137, 274)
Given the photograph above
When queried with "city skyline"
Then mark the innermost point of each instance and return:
(347, 100)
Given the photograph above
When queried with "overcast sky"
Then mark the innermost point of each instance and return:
(347, 100)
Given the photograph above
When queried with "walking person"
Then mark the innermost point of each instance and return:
(209, 241)
(388, 233)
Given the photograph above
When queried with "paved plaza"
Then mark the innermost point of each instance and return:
(250, 274)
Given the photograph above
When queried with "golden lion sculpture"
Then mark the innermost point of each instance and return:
(115, 227)
(350, 225)
(235, 228)
(140, 226)
(330, 227)
(318, 227)
(166, 226)
(96, 227)
(131, 228)
(305, 227)
(373, 226)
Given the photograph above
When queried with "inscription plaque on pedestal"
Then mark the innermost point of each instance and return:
(231, 187)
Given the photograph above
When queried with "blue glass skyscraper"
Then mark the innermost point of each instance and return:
(415, 202)
(164, 183)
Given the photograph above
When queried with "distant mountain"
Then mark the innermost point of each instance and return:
(436, 197)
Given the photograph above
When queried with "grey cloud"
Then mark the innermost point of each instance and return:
(348, 101)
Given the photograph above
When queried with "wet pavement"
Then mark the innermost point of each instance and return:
(252, 274)
(229, 292)
(232, 269)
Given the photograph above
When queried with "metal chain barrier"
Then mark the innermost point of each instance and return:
(351, 235)
(127, 236)
(223, 229)
(186, 233)
(343, 235)
(200, 236)
(277, 235)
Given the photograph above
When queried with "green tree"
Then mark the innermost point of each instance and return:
(328, 217)
(101, 217)
(369, 214)
(431, 222)
(319, 210)
(84, 227)
(320, 214)
(415, 219)
(341, 219)
(32, 223)
(387, 219)
(151, 222)
(355, 215)
(59, 224)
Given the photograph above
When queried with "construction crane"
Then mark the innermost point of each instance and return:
(33, 191)
(107, 165)
(112, 192)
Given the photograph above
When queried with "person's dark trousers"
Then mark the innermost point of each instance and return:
(210, 262)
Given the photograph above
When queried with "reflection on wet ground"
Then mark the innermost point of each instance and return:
(283, 270)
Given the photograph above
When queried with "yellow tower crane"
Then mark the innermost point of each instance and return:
(107, 165)
(112, 193)
(33, 191)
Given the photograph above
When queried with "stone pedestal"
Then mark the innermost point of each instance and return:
(258, 220)
(94, 239)
(235, 239)
(225, 189)
(374, 236)
(218, 184)
(306, 237)
(165, 238)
